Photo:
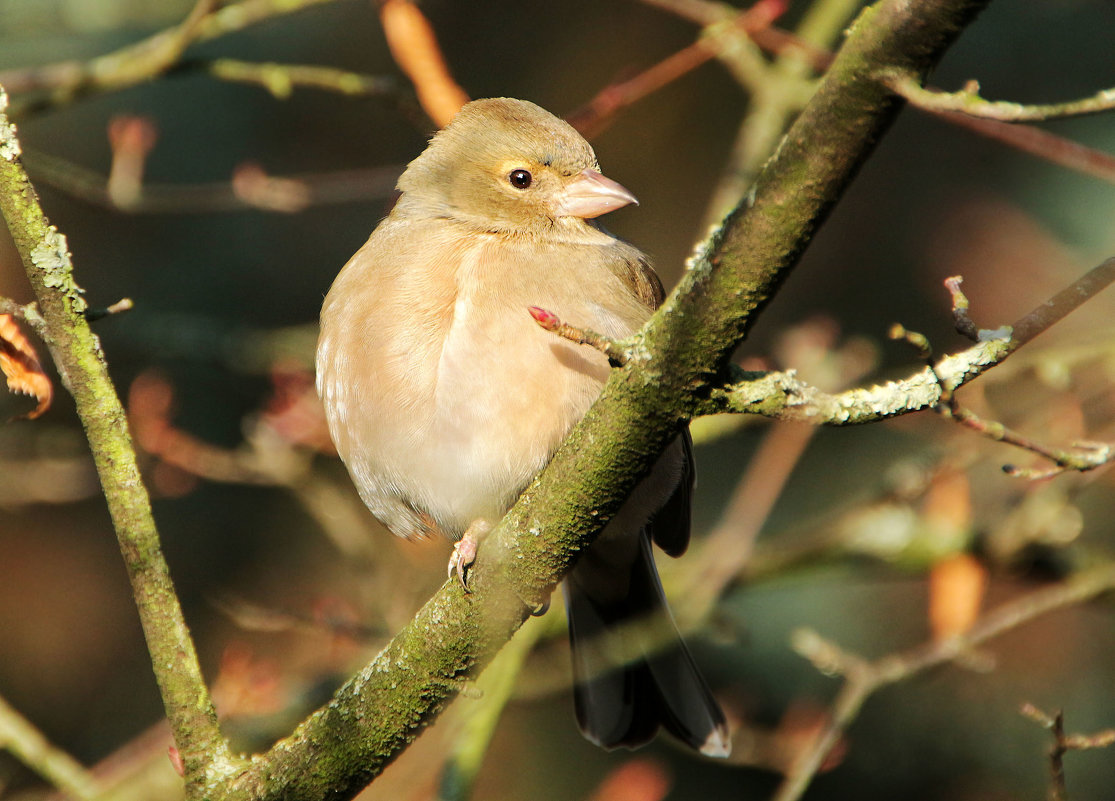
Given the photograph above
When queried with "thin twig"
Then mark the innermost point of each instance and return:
(1060, 305)
(1038, 142)
(250, 188)
(960, 306)
(119, 307)
(32, 748)
(863, 678)
(549, 321)
(1063, 743)
(62, 82)
(1088, 457)
(968, 101)
(595, 116)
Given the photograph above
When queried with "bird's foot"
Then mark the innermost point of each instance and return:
(464, 551)
(540, 609)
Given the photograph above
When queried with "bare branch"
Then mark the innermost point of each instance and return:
(785, 397)
(32, 748)
(64, 81)
(863, 678)
(968, 101)
(595, 116)
(1062, 743)
(81, 364)
(1037, 142)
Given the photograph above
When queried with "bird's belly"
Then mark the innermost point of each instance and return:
(506, 394)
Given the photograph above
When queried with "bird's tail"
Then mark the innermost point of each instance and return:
(632, 671)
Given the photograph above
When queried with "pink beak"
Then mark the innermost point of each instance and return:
(590, 194)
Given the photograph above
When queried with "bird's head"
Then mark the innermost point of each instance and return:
(509, 166)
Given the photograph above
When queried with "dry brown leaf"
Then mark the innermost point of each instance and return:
(637, 779)
(415, 49)
(956, 589)
(21, 366)
(957, 582)
(247, 685)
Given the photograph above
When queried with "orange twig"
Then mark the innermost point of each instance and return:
(415, 49)
(595, 116)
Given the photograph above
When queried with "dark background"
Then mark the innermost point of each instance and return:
(933, 201)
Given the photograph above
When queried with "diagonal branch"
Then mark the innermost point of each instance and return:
(783, 396)
(143, 60)
(81, 365)
(32, 748)
(686, 346)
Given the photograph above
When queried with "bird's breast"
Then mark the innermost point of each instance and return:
(444, 396)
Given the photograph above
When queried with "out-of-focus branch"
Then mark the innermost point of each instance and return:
(82, 367)
(728, 547)
(28, 744)
(968, 101)
(277, 451)
(480, 717)
(778, 90)
(599, 112)
(249, 188)
(863, 678)
(414, 46)
(282, 79)
(62, 82)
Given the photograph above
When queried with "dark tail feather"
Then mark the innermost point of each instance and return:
(631, 669)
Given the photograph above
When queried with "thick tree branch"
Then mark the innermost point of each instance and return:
(80, 362)
(686, 346)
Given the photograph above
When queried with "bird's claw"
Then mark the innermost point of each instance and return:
(462, 559)
(540, 609)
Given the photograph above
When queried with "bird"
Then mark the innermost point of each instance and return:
(445, 398)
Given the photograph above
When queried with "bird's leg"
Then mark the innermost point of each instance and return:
(464, 550)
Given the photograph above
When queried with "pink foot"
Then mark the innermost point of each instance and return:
(464, 551)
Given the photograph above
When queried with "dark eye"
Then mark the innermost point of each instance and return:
(520, 179)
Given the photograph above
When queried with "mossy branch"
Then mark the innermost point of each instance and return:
(682, 355)
(81, 364)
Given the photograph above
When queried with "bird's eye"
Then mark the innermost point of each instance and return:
(520, 179)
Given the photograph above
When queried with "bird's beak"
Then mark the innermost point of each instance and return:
(590, 194)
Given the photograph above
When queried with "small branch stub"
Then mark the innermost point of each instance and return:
(545, 318)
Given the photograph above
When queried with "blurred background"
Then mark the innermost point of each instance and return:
(868, 535)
